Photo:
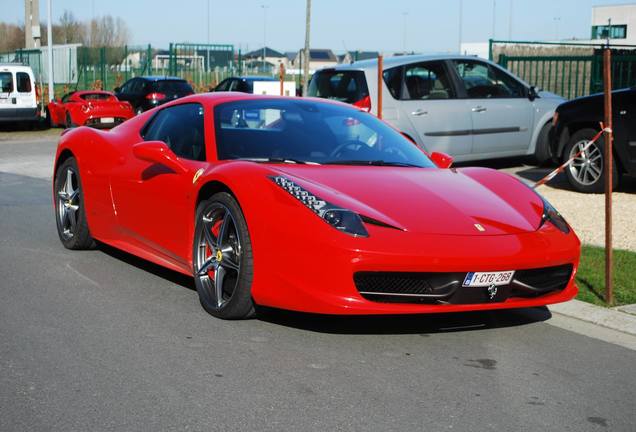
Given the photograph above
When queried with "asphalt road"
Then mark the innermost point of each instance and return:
(101, 341)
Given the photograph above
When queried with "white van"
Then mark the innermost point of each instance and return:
(18, 94)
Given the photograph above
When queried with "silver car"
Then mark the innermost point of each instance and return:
(467, 107)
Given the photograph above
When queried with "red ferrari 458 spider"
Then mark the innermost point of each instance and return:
(98, 109)
(309, 205)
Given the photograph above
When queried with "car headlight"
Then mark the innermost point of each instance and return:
(343, 220)
(550, 214)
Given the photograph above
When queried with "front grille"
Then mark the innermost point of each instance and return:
(446, 288)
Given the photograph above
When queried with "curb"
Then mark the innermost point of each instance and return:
(610, 318)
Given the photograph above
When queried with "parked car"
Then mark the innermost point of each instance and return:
(147, 92)
(467, 107)
(212, 184)
(18, 94)
(99, 109)
(241, 84)
(577, 121)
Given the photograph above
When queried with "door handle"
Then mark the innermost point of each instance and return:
(479, 109)
(419, 112)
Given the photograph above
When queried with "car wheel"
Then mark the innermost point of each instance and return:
(586, 172)
(542, 153)
(70, 213)
(49, 120)
(222, 258)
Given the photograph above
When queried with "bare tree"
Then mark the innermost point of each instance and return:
(108, 31)
(11, 37)
(69, 30)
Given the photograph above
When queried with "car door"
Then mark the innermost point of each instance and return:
(625, 128)
(153, 202)
(501, 112)
(428, 106)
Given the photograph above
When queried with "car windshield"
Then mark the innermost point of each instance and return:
(173, 87)
(303, 131)
(97, 96)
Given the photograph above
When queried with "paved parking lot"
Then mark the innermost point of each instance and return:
(100, 340)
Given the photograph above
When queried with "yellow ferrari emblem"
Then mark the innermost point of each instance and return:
(219, 256)
(480, 228)
(197, 175)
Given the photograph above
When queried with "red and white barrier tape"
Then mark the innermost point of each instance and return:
(559, 169)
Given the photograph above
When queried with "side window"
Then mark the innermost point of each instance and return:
(127, 86)
(225, 84)
(6, 82)
(24, 82)
(483, 81)
(426, 81)
(393, 80)
(181, 128)
(67, 97)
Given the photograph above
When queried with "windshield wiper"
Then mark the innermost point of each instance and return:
(280, 160)
(371, 163)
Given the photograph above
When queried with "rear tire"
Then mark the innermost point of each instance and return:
(587, 173)
(69, 121)
(222, 258)
(70, 213)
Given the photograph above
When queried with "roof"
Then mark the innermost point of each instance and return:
(319, 54)
(161, 78)
(363, 55)
(268, 53)
(399, 61)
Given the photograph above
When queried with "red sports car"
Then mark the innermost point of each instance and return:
(95, 108)
(309, 205)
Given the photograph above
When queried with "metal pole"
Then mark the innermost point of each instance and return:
(494, 18)
(461, 19)
(404, 15)
(510, 20)
(380, 67)
(609, 137)
(281, 77)
(49, 43)
(264, 33)
(307, 56)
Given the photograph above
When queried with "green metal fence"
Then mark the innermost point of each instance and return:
(571, 76)
(570, 69)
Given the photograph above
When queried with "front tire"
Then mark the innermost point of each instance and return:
(222, 258)
(587, 172)
(70, 213)
(542, 153)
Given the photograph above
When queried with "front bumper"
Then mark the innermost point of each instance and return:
(315, 271)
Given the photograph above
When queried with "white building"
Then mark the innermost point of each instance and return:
(623, 24)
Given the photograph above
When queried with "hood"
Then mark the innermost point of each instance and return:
(427, 200)
(550, 95)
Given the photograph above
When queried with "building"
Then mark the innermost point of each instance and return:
(318, 59)
(623, 23)
(272, 60)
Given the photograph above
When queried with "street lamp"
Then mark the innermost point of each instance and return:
(404, 16)
(265, 7)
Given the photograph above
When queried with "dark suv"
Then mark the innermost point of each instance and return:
(145, 93)
(577, 121)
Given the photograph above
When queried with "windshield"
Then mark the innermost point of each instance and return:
(303, 131)
(97, 96)
(173, 87)
(343, 86)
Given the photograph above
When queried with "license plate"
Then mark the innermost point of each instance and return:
(107, 119)
(484, 279)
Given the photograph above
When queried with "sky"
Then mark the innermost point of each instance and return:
(428, 26)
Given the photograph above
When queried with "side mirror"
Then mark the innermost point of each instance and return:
(158, 152)
(117, 89)
(442, 160)
(532, 93)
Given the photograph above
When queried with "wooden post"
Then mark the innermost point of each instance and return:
(609, 136)
(380, 67)
(281, 77)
